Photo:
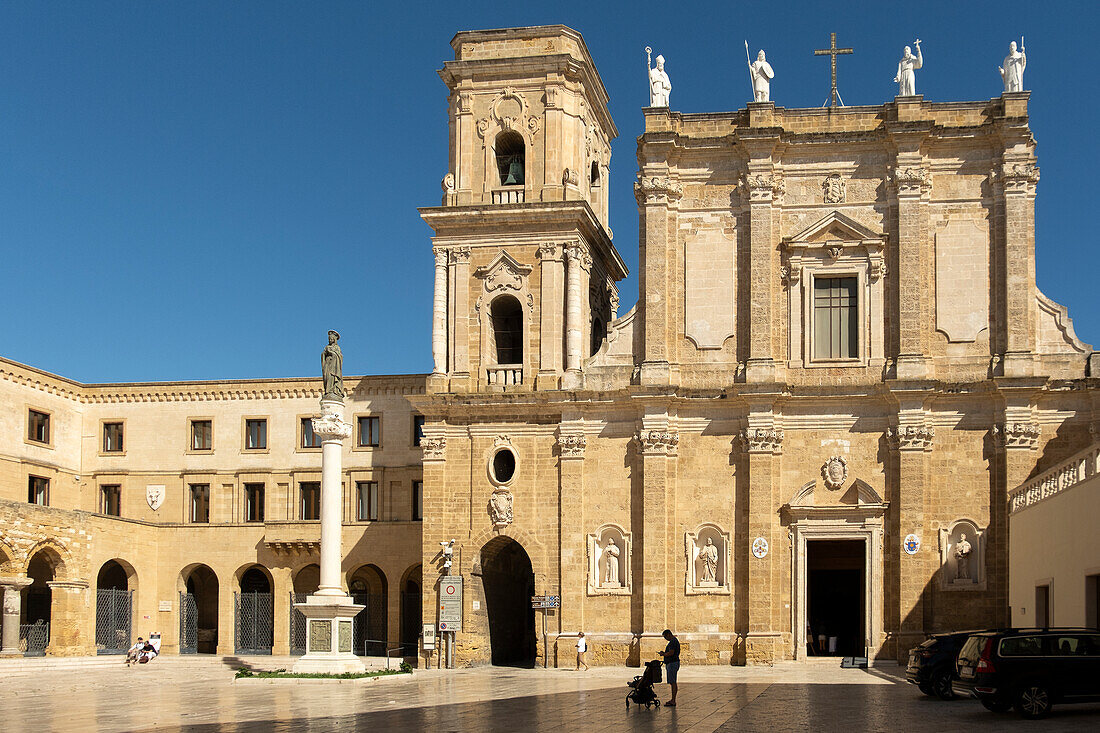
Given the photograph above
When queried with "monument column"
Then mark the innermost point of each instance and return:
(11, 587)
(329, 611)
(439, 315)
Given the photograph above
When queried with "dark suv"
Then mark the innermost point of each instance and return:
(932, 664)
(1031, 669)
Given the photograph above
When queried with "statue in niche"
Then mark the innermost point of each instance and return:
(1012, 73)
(611, 552)
(709, 555)
(906, 77)
(962, 558)
(659, 84)
(332, 369)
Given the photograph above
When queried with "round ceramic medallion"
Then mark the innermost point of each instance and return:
(911, 544)
(759, 548)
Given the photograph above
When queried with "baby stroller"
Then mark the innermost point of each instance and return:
(641, 687)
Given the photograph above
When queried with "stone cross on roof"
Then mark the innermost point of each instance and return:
(833, 52)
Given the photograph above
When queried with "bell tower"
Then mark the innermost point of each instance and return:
(525, 271)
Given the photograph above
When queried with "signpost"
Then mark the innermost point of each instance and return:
(546, 604)
(450, 611)
(429, 637)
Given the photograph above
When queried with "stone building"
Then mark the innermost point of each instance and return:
(839, 363)
(839, 354)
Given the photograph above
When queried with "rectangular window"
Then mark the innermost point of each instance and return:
(110, 500)
(112, 437)
(38, 426)
(418, 429)
(310, 439)
(370, 432)
(200, 503)
(836, 318)
(38, 490)
(1042, 606)
(368, 501)
(253, 502)
(310, 500)
(202, 435)
(255, 434)
(1022, 646)
(418, 500)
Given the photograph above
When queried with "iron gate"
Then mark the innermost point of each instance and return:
(33, 639)
(411, 618)
(254, 622)
(189, 624)
(113, 620)
(369, 625)
(297, 624)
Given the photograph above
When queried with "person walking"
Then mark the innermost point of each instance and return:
(582, 647)
(671, 655)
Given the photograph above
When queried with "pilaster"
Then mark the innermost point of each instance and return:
(1016, 185)
(459, 346)
(551, 313)
(571, 444)
(658, 196)
(657, 443)
(69, 606)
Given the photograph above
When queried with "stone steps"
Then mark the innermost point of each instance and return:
(26, 665)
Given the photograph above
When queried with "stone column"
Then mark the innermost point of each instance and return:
(657, 195)
(551, 308)
(573, 554)
(329, 611)
(658, 444)
(911, 444)
(68, 610)
(576, 260)
(763, 443)
(11, 587)
(439, 315)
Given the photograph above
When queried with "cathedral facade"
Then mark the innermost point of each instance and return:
(800, 440)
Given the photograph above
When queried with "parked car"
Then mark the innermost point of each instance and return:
(1031, 669)
(932, 664)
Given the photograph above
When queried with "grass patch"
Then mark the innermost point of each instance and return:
(405, 668)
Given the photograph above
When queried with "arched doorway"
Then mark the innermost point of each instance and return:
(254, 612)
(367, 587)
(38, 602)
(509, 583)
(306, 581)
(410, 612)
(114, 607)
(198, 610)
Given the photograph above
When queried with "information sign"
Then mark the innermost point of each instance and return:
(545, 601)
(429, 637)
(450, 603)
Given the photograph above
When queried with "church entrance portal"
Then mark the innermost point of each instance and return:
(835, 582)
(509, 583)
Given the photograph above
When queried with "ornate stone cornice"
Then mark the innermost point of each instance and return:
(761, 440)
(658, 442)
(911, 180)
(572, 446)
(761, 187)
(434, 448)
(911, 437)
(657, 189)
(1017, 435)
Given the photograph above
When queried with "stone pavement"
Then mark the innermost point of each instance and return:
(179, 696)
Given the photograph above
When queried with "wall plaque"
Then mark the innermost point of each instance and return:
(345, 636)
(320, 636)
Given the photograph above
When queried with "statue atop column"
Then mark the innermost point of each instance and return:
(762, 74)
(659, 84)
(332, 369)
(1012, 73)
(962, 559)
(611, 552)
(906, 77)
(709, 555)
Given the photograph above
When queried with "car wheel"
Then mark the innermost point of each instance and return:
(995, 706)
(926, 688)
(1033, 700)
(941, 685)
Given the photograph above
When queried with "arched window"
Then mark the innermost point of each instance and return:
(506, 315)
(599, 331)
(510, 158)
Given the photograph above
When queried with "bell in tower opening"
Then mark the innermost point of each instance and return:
(510, 158)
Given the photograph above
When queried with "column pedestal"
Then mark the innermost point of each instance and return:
(329, 611)
(10, 588)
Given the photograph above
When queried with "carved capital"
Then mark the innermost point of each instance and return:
(911, 180)
(549, 251)
(569, 177)
(331, 427)
(1017, 435)
(465, 101)
(911, 437)
(657, 190)
(460, 255)
(572, 446)
(434, 448)
(1019, 177)
(440, 257)
(761, 187)
(761, 440)
(576, 254)
(658, 442)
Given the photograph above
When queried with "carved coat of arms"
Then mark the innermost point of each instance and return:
(154, 495)
(835, 472)
(500, 507)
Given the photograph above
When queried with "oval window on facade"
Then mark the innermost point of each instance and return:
(504, 465)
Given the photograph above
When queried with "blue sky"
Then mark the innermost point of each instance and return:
(199, 190)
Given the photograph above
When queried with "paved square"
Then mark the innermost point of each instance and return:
(201, 695)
